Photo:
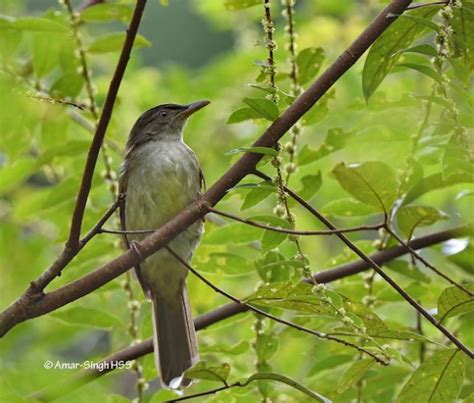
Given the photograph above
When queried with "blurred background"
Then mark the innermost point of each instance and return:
(192, 50)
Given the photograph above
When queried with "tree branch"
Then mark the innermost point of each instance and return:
(226, 311)
(79, 208)
(377, 269)
(23, 309)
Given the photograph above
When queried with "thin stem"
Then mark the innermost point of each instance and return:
(417, 256)
(23, 307)
(275, 318)
(86, 182)
(378, 269)
(226, 311)
(292, 231)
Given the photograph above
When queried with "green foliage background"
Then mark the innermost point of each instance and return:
(370, 118)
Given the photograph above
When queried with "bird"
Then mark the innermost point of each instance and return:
(159, 177)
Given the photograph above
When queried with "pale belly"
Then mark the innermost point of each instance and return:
(163, 181)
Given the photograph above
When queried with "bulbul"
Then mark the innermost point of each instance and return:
(159, 177)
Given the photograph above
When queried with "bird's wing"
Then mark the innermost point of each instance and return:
(123, 222)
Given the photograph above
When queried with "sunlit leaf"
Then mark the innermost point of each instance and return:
(263, 107)
(87, 317)
(423, 49)
(335, 140)
(242, 114)
(354, 374)
(438, 379)
(408, 270)
(107, 12)
(290, 382)
(257, 195)
(114, 43)
(209, 372)
(372, 182)
(236, 349)
(347, 207)
(309, 63)
(239, 4)
(457, 157)
(227, 263)
(428, 71)
(266, 346)
(38, 24)
(411, 217)
(384, 53)
(234, 233)
(453, 302)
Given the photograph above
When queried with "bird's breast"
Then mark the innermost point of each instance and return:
(162, 179)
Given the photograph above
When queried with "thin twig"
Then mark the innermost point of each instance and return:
(23, 308)
(226, 311)
(293, 231)
(268, 315)
(86, 182)
(378, 269)
(417, 256)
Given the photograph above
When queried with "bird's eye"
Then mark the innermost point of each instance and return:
(163, 114)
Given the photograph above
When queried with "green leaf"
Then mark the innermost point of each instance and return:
(263, 107)
(309, 63)
(239, 4)
(332, 361)
(319, 110)
(288, 381)
(227, 263)
(46, 51)
(422, 49)
(211, 373)
(257, 150)
(385, 52)
(107, 12)
(37, 24)
(67, 85)
(408, 270)
(438, 379)
(114, 43)
(257, 195)
(354, 374)
(411, 217)
(434, 182)
(266, 346)
(462, 25)
(274, 267)
(335, 140)
(242, 114)
(372, 182)
(347, 207)
(286, 295)
(453, 302)
(428, 71)
(236, 349)
(457, 157)
(271, 239)
(14, 174)
(311, 184)
(87, 317)
(421, 20)
(234, 233)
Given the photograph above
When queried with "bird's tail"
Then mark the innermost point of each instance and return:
(174, 339)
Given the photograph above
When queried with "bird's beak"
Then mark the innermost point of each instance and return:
(194, 107)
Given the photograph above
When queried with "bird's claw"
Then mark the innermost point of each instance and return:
(135, 246)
